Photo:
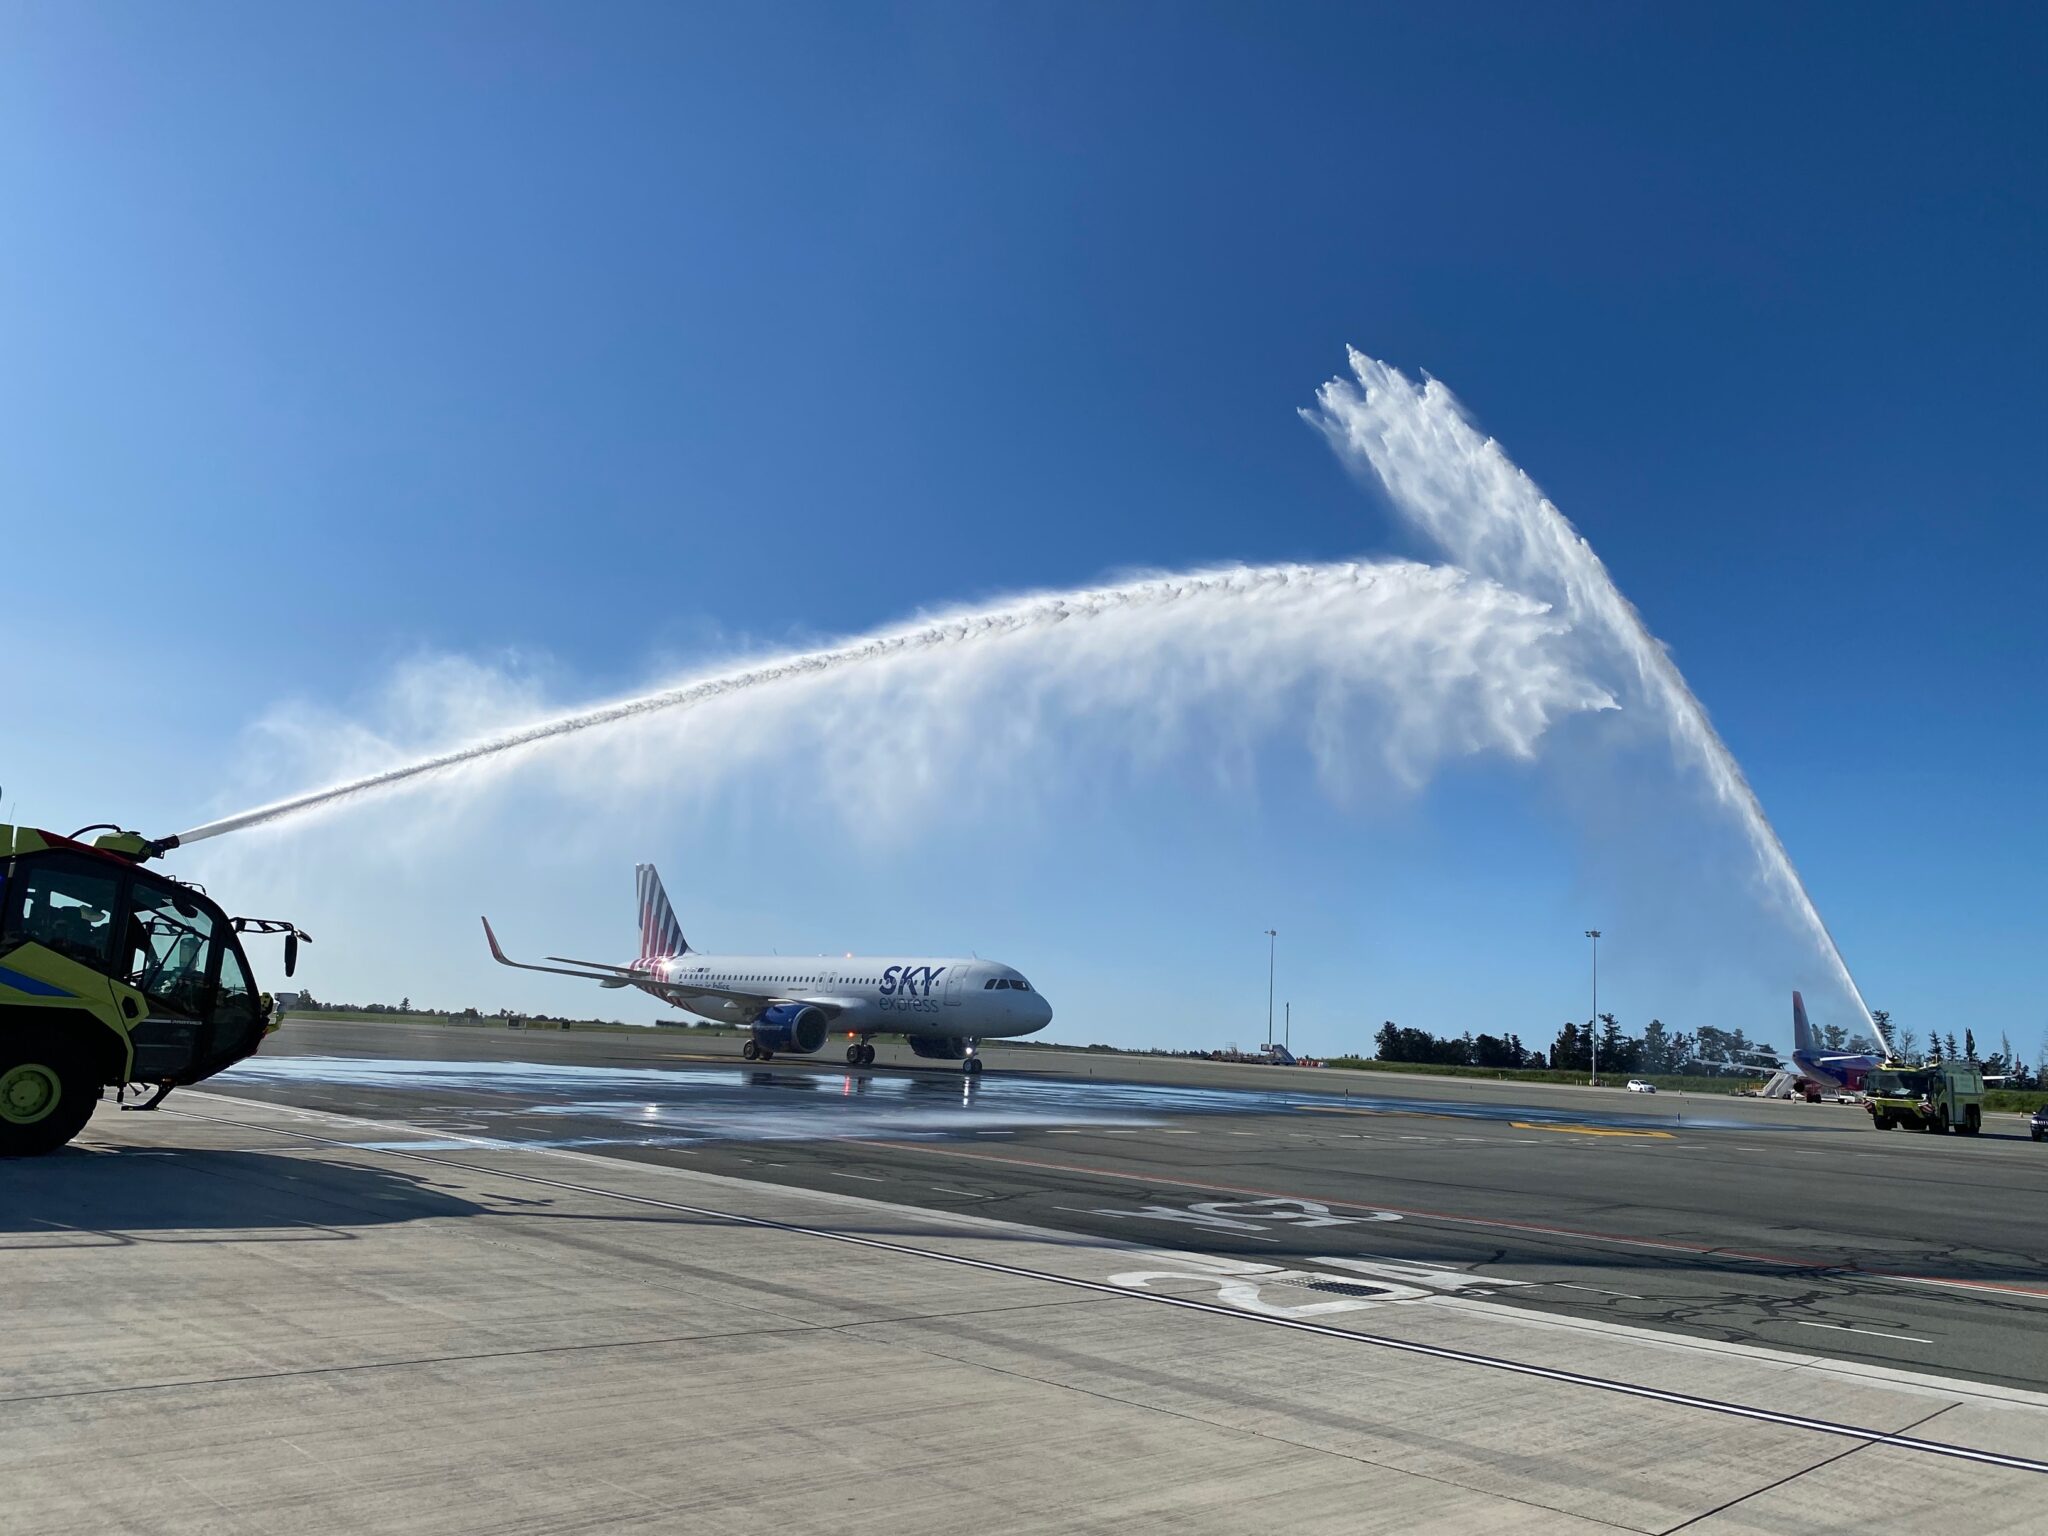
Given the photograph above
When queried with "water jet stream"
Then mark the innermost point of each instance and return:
(1459, 487)
(1463, 665)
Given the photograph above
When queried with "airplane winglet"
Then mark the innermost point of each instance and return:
(498, 954)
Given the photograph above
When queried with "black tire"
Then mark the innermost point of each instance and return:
(1973, 1121)
(48, 1087)
(1941, 1121)
(853, 1056)
(2040, 1135)
(867, 1055)
(751, 1051)
(1882, 1122)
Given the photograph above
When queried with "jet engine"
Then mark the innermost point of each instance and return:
(940, 1048)
(798, 1028)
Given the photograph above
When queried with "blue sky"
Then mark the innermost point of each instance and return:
(590, 345)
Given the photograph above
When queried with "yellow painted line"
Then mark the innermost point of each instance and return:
(1584, 1130)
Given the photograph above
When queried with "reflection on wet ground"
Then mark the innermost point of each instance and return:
(559, 1105)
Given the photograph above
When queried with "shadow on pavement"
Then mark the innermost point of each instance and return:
(89, 1194)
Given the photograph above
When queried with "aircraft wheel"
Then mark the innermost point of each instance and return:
(867, 1055)
(751, 1050)
(47, 1091)
(971, 1066)
(853, 1056)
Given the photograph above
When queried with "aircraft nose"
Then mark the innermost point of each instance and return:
(1040, 1011)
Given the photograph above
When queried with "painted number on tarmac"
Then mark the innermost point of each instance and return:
(1367, 1283)
(1249, 1215)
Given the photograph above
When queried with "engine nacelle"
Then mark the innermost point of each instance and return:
(797, 1028)
(939, 1048)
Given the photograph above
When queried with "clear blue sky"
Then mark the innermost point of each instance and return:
(589, 341)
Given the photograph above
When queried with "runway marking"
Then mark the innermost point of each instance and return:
(835, 1173)
(973, 1194)
(1585, 1130)
(1566, 1285)
(1875, 1333)
(1663, 1395)
(1541, 1229)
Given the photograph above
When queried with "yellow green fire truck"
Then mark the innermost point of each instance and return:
(112, 976)
(1939, 1096)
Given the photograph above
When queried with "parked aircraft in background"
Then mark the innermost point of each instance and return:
(942, 1005)
(1829, 1071)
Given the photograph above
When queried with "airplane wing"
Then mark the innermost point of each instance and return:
(622, 975)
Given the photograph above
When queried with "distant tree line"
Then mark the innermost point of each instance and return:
(1469, 1050)
(1661, 1050)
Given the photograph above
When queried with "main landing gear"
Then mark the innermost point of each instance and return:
(860, 1054)
(753, 1052)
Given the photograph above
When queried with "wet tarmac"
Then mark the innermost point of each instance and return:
(1763, 1224)
(683, 1106)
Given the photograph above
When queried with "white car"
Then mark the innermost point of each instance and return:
(1637, 1085)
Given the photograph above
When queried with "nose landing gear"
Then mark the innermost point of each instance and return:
(971, 1065)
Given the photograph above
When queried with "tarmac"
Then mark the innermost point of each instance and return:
(415, 1279)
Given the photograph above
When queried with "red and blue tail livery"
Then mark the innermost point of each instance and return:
(661, 936)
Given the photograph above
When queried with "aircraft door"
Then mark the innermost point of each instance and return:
(953, 993)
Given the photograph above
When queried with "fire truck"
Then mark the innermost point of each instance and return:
(116, 976)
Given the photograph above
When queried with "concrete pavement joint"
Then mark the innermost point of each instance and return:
(1212, 1309)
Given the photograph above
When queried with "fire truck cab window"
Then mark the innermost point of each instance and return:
(170, 945)
(66, 904)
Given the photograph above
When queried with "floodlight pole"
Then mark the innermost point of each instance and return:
(1272, 939)
(1593, 1029)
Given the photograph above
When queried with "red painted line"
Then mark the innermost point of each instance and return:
(1778, 1261)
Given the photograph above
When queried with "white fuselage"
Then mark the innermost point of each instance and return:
(933, 997)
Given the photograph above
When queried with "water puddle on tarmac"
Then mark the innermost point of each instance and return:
(658, 1106)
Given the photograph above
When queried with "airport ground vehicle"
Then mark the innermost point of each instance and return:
(1939, 1096)
(2037, 1123)
(112, 975)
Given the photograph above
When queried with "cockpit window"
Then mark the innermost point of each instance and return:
(1021, 984)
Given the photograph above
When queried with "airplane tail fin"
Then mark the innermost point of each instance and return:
(660, 934)
(1802, 1032)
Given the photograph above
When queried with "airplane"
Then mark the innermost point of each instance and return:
(1829, 1071)
(943, 1006)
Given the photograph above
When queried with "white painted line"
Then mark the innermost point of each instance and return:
(1918, 1382)
(1566, 1285)
(973, 1194)
(1873, 1332)
(834, 1173)
(1948, 1449)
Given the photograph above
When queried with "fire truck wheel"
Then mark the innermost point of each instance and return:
(47, 1091)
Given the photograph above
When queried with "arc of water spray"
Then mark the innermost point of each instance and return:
(1460, 487)
(1505, 635)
